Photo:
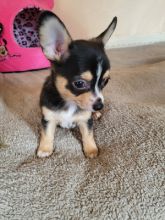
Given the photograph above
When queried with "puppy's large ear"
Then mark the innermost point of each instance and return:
(53, 35)
(105, 35)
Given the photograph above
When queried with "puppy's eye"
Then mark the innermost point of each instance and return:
(80, 84)
(104, 82)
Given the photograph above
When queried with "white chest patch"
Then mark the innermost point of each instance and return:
(66, 118)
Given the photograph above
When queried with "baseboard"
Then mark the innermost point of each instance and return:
(135, 41)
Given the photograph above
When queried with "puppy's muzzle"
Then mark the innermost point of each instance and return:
(98, 105)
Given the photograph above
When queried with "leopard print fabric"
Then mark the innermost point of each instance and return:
(25, 27)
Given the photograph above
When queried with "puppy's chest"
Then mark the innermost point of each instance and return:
(66, 119)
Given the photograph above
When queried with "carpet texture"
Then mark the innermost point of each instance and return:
(126, 181)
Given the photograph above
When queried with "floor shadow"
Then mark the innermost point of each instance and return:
(22, 98)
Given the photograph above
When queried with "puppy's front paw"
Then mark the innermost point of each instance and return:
(44, 152)
(91, 152)
(97, 115)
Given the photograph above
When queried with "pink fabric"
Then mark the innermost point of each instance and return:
(13, 57)
(25, 27)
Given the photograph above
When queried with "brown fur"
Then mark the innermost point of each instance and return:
(47, 135)
(87, 76)
(71, 107)
(45, 148)
(90, 148)
(106, 74)
(82, 116)
(83, 101)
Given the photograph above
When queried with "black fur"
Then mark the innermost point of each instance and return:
(82, 56)
(70, 60)
(44, 123)
(90, 123)
(50, 97)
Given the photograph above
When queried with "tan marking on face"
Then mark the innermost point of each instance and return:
(84, 101)
(87, 76)
(106, 74)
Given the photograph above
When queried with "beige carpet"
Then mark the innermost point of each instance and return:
(126, 181)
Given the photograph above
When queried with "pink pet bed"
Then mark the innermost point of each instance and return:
(19, 43)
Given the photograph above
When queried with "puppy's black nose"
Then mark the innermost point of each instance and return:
(98, 105)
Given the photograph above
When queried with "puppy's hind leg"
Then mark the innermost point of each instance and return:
(49, 124)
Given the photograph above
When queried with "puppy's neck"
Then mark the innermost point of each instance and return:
(71, 107)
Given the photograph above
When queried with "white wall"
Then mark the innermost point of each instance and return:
(139, 21)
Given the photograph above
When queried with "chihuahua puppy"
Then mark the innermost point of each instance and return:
(79, 72)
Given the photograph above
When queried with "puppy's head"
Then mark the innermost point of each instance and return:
(81, 67)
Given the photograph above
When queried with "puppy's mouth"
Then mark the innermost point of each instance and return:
(90, 105)
(86, 107)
